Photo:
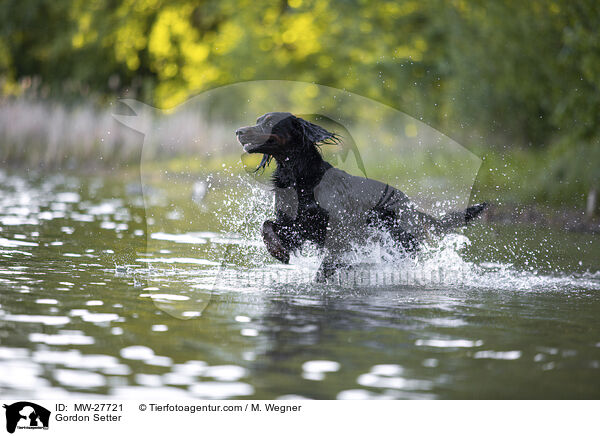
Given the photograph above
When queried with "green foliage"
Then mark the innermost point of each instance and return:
(505, 74)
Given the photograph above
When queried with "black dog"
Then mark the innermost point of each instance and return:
(317, 202)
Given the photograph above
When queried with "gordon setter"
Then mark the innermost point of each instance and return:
(316, 202)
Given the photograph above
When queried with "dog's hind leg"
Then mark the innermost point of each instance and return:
(406, 240)
(332, 263)
(459, 219)
(387, 221)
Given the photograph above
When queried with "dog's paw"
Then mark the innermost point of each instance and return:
(273, 243)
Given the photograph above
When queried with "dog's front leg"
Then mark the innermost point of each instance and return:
(281, 237)
(274, 243)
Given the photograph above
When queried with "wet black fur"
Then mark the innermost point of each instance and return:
(294, 144)
(300, 166)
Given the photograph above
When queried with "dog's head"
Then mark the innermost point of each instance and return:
(281, 135)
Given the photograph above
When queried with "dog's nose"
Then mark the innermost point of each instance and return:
(239, 131)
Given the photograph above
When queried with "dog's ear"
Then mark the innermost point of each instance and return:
(314, 134)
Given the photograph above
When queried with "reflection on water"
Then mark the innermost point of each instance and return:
(92, 305)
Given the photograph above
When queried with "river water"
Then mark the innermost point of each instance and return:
(107, 292)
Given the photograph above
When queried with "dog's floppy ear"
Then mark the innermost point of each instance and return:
(314, 134)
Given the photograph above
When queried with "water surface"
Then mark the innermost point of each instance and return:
(105, 292)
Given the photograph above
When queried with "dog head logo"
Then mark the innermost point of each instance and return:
(26, 415)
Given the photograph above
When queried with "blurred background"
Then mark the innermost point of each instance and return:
(516, 83)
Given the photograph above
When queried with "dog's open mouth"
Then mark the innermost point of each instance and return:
(250, 147)
(254, 143)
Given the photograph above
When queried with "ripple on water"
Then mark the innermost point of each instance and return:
(65, 338)
(10, 220)
(37, 319)
(387, 370)
(95, 318)
(249, 332)
(152, 380)
(145, 354)
(167, 297)
(320, 366)
(50, 301)
(362, 394)
(498, 355)
(316, 369)
(75, 359)
(68, 197)
(191, 367)
(159, 361)
(173, 378)
(21, 374)
(137, 352)
(7, 353)
(221, 390)
(184, 260)
(186, 238)
(145, 392)
(8, 243)
(448, 343)
(225, 372)
(79, 379)
(389, 382)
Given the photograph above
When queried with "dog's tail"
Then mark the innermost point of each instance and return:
(459, 219)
